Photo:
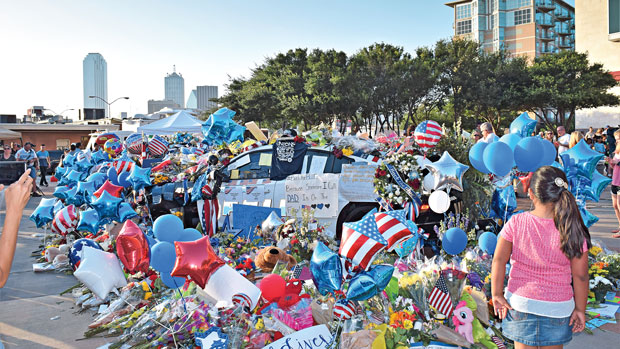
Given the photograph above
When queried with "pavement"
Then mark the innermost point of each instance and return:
(30, 302)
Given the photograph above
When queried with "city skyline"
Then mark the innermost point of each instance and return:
(208, 41)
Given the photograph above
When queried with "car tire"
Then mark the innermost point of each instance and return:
(352, 213)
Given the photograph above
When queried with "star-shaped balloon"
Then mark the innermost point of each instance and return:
(100, 271)
(76, 250)
(326, 269)
(73, 177)
(97, 179)
(595, 187)
(85, 190)
(447, 172)
(132, 248)
(112, 189)
(523, 125)
(125, 212)
(107, 206)
(69, 160)
(83, 165)
(196, 260)
(60, 171)
(99, 156)
(580, 160)
(42, 215)
(140, 177)
(61, 192)
(366, 284)
(89, 221)
(73, 198)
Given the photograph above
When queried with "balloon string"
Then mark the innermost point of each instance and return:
(170, 329)
(180, 294)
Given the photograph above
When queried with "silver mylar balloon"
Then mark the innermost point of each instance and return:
(271, 223)
(448, 173)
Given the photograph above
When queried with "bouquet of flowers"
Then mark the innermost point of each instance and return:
(408, 170)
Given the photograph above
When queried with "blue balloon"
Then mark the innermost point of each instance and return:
(405, 248)
(326, 269)
(498, 158)
(527, 154)
(100, 156)
(89, 221)
(60, 171)
(163, 257)
(583, 188)
(112, 175)
(61, 192)
(167, 228)
(73, 198)
(511, 139)
(42, 215)
(487, 242)
(97, 179)
(83, 165)
(107, 206)
(85, 190)
(588, 218)
(367, 284)
(73, 177)
(125, 212)
(382, 274)
(140, 177)
(69, 160)
(171, 281)
(189, 234)
(503, 202)
(580, 160)
(524, 126)
(76, 248)
(151, 241)
(123, 179)
(454, 241)
(549, 153)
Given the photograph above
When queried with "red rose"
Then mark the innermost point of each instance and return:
(415, 184)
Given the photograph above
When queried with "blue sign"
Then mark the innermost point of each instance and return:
(246, 218)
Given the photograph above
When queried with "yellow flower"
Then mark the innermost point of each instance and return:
(259, 324)
(590, 294)
(595, 250)
(347, 152)
(408, 324)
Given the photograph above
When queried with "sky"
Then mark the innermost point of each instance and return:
(44, 42)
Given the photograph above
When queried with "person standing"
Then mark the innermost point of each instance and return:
(7, 155)
(590, 133)
(575, 137)
(563, 140)
(614, 164)
(488, 135)
(44, 162)
(29, 156)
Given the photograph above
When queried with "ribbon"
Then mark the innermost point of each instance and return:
(404, 186)
(385, 206)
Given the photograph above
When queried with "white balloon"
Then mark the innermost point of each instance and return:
(100, 271)
(439, 201)
(428, 182)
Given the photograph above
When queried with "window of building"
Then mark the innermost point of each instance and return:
(463, 27)
(522, 3)
(523, 16)
(463, 11)
(63, 143)
(614, 16)
(493, 21)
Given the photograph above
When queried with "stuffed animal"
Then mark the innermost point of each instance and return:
(480, 335)
(267, 258)
(463, 317)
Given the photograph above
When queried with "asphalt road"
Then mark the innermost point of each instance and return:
(30, 300)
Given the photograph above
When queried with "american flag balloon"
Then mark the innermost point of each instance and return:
(65, 220)
(133, 143)
(158, 146)
(392, 226)
(361, 241)
(242, 299)
(427, 134)
(123, 164)
(344, 310)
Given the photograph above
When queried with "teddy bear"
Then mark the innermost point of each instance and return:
(267, 258)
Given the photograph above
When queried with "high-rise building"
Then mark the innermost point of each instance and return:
(192, 100)
(521, 27)
(95, 74)
(204, 94)
(175, 88)
(155, 106)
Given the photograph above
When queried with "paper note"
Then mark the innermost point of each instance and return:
(265, 159)
(234, 174)
(318, 164)
(606, 310)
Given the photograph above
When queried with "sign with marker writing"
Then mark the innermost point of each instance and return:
(316, 191)
(356, 182)
(315, 337)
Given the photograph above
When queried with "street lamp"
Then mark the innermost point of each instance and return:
(55, 113)
(108, 104)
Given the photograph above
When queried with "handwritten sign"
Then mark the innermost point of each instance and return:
(317, 191)
(356, 182)
(315, 337)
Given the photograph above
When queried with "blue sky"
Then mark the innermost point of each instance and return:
(44, 42)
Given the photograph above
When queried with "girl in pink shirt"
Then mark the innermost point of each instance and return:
(547, 249)
(614, 164)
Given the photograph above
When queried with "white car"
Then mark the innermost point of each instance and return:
(338, 189)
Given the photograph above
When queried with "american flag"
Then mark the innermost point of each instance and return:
(499, 342)
(427, 134)
(391, 225)
(361, 241)
(158, 146)
(210, 210)
(344, 309)
(65, 220)
(123, 164)
(440, 297)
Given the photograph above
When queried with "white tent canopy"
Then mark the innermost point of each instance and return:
(8, 134)
(179, 122)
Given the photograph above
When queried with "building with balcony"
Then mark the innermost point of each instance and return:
(521, 27)
(597, 25)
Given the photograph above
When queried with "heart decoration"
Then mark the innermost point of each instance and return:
(320, 206)
(327, 205)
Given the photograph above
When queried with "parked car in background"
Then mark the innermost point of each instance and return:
(55, 156)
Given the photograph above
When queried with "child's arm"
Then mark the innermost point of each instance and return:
(498, 271)
(581, 286)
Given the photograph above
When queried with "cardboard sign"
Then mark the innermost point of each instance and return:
(254, 193)
(315, 337)
(255, 131)
(232, 194)
(356, 182)
(317, 191)
(247, 217)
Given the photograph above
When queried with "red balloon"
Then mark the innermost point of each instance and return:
(132, 248)
(272, 287)
(196, 260)
(102, 138)
(525, 182)
(114, 190)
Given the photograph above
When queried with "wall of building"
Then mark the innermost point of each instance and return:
(52, 138)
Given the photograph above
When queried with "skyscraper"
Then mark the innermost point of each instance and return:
(175, 88)
(192, 100)
(204, 94)
(522, 27)
(95, 74)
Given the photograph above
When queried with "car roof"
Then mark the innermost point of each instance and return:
(325, 148)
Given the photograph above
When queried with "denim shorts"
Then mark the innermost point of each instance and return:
(536, 330)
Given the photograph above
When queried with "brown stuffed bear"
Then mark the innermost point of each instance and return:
(267, 258)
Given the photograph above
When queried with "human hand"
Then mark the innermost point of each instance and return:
(578, 320)
(18, 193)
(501, 306)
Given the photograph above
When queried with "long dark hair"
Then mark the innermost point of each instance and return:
(549, 185)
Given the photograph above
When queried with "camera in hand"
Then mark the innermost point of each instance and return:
(10, 171)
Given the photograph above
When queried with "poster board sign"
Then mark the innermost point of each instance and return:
(315, 337)
(255, 131)
(247, 217)
(356, 182)
(317, 191)
(254, 193)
